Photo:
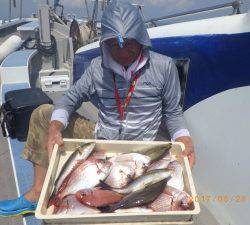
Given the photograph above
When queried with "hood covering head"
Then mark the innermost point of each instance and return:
(120, 18)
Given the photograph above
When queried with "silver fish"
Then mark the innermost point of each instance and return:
(145, 180)
(81, 153)
(160, 164)
(139, 198)
(71, 206)
(156, 152)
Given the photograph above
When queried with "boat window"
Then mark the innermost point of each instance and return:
(182, 67)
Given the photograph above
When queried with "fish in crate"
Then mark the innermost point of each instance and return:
(145, 181)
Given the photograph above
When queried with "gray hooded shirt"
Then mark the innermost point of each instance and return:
(157, 91)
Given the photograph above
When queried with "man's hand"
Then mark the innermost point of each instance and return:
(189, 149)
(54, 136)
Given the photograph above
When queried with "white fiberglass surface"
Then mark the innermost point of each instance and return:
(220, 128)
(232, 24)
(219, 25)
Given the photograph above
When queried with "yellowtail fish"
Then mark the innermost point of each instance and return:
(145, 180)
(160, 164)
(156, 152)
(138, 198)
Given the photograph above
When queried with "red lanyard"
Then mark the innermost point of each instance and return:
(122, 107)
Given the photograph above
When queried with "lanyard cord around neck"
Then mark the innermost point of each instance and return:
(122, 107)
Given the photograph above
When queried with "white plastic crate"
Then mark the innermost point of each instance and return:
(113, 147)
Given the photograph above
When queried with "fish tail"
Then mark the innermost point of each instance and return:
(56, 209)
(105, 186)
(51, 198)
(106, 209)
(54, 200)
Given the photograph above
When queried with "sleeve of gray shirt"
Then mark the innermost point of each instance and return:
(171, 109)
(71, 100)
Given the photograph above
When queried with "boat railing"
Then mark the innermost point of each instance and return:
(235, 5)
(13, 2)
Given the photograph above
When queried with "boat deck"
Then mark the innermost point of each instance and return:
(7, 181)
(7, 178)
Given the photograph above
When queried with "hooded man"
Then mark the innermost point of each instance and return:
(137, 89)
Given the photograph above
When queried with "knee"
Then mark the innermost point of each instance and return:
(42, 114)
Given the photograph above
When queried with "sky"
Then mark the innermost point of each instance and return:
(151, 9)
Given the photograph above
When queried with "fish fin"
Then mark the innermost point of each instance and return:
(106, 209)
(81, 148)
(54, 200)
(56, 209)
(105, 186)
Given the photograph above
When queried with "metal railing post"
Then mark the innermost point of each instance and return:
(9, 10)
(236, 7)
(21, 9)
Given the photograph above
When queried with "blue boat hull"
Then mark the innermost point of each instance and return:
(217, 62)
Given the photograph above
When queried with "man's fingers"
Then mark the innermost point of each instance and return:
(192, 160)
(60, 142)
(50, 146)
(186, 152)
(52, 140)
(191, 156)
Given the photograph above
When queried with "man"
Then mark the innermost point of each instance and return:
(136, 88)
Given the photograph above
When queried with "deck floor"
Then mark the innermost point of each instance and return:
(7, 181)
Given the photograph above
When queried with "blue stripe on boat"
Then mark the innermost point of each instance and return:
(217, 62)
(18, 58)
